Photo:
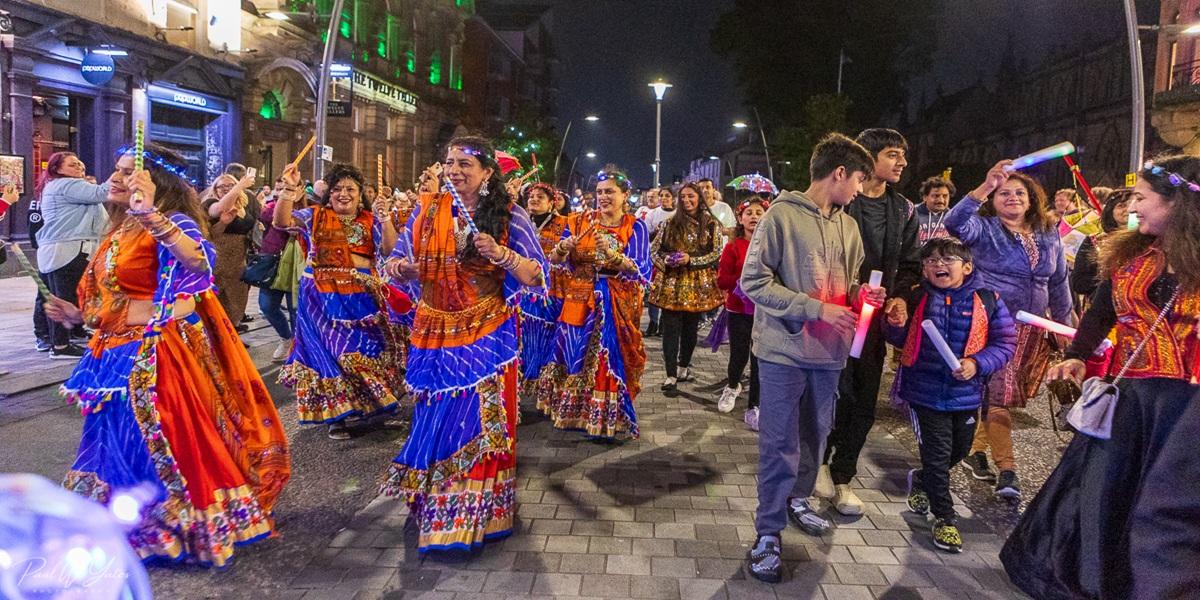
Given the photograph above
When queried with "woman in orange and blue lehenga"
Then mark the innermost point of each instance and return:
(172, 402)
(473, 251)
(346, 359)
(599, 357)
(539, 312)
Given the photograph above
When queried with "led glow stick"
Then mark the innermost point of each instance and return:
(1059, 328)
(864, 319)
(939, 342)
(1056, 151)
(1131, 222)
(312, 140)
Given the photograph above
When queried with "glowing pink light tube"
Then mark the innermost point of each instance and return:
(1058, 150)
(864, 319)
(1056, 327)
(939, 342)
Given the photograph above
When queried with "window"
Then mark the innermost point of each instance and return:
(272, 108)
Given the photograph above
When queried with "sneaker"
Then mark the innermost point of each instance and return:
(977, 466)
(282, 350)
(918, 500)
(338, 431)
(70, 352)
(763, 561)
(41, 345)
(651, 330)
(946, 536)
(241, 328)
(669, 385)
(846, 501)
(728, 399)
(1007, 486)
(824, 486)
(685, 374)
(801, 513)
(751, 418)
(81, 333)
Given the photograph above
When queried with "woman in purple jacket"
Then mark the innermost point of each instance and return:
(1018, 254)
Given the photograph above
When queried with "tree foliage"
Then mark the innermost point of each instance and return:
(526, 136)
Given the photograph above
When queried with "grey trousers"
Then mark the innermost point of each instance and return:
(795, 415)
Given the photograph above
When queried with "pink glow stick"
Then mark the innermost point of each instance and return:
(1058, 328)
(864, 320)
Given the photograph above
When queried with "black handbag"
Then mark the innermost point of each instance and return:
(261, 270)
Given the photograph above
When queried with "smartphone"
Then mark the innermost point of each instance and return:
(252, 172)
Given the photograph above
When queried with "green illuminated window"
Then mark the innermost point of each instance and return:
(435, 67)
(344, 27)
(271, 109)
(410, 61)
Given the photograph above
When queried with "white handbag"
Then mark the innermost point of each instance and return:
(1092, 414)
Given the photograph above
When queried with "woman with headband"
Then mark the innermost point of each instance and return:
(539, 312)
(345, 362)
(599, 357)
(473, 252)
(172, 403)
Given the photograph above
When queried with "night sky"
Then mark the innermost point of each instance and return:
(610, 50)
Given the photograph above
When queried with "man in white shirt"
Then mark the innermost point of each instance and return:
(666, 210)
(649, 202)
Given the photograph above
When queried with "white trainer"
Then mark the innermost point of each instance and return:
(847, 502)
(824, 485)
(729, 398)
(282, 350)
(751, 418)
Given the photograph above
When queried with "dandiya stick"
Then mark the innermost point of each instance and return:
(864, 319)
(312, 140)
(139, 151)
(30, 271)
(1087, 189)
(378, 172)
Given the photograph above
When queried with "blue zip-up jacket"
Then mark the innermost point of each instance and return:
(929, 382)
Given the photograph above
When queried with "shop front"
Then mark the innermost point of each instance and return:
(199, 126)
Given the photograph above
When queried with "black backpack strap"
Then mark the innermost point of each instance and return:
(988, 297)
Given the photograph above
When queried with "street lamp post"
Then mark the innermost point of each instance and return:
(660, 90)
(1137, 131)
(323, 85)
(562, 144)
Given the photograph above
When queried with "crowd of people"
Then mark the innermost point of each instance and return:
(438, 310)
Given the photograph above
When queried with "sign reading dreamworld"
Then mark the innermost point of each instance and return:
(375, 89)
(97, 69)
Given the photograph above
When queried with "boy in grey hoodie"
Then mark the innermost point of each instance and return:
(801, 272)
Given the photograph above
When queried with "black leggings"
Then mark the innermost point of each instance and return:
(740, 327)
(678, 338)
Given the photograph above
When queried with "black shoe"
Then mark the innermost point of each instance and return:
(977, 466)
(946, 536)
(652, 330)
(241, 328)
(70, 352)
(764, 562)
(41, 346)
(918, 500)
(1008, 486)
(669, 386)
(81, 333)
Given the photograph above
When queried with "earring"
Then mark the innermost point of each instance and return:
(483, 189)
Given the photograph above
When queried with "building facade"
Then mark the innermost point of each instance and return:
(1175, 112)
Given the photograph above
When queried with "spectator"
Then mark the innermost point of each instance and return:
(272, 297)
(740, 311)
(74, 219)
(231, 219)
(1085, 276)
(931, 213)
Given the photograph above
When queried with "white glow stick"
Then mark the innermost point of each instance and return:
(1058, 150)
(939, 342)
(1059, 328)
(864, 319)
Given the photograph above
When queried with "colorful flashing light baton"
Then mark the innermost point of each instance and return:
(1056, 327)
(299, 157)
(939, 342)
(1056, 151)
(28, 268)
(864, 319)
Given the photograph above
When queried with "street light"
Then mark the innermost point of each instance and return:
(590, 155)
(763, 135)
(562, 145)
(660, 90)
(591, 118)
(740, 125)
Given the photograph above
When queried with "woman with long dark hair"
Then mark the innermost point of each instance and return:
(473, 251)
(595, 377)
(73, 220)
(1100, 527)
(685, 253)
(344, 362)
(172, 402)
(1018, 254)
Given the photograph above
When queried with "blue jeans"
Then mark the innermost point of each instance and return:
(270, 302)
(654, 312)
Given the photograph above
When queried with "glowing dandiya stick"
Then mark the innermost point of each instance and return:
(299, 157)
(864, 319)
(939, 342)
(1057, 328)
(1058, 150)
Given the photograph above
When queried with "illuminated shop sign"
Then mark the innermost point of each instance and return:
(186, 99)
(374, 89)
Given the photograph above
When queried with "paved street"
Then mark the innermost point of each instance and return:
(667, 516)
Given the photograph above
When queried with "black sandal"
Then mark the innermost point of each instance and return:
(765, 564)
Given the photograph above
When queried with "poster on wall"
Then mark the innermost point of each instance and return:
(12, 170)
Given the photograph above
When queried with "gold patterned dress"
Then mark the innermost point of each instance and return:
(691, 287)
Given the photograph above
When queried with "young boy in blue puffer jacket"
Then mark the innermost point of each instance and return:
(943, 403)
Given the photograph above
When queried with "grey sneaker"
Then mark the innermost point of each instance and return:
(801, 513)
(763, 561)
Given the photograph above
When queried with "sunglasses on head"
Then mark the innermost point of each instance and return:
(1175, 179)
